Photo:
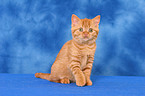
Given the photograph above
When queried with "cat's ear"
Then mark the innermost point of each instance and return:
(96, 20)
(75, 20)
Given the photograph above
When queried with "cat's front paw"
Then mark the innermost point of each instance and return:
(89, 82)
(80, 80)
(80, 83)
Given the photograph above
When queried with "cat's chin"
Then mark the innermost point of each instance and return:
(85, 39)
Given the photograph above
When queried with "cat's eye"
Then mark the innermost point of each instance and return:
(90, 30)
(81, 29)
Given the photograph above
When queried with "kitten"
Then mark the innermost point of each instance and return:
(74, 61)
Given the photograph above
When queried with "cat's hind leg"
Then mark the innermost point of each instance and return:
(65, 81)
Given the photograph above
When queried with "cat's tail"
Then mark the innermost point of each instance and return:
(42, 76)
(46, 76)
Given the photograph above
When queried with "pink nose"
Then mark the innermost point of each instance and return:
(86, 34)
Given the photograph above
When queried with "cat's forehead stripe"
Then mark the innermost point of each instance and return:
(85, 22)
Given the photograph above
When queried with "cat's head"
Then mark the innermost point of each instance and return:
(85, 31)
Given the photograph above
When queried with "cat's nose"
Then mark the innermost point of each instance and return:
(85, 34)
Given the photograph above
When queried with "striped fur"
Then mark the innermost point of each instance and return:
(75, 59)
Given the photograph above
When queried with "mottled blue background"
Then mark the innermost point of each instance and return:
(33, 31)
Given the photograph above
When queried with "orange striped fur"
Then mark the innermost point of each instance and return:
(75, 59)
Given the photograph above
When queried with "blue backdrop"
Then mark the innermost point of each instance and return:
(33, 31)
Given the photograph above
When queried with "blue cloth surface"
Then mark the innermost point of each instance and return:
(28, 85)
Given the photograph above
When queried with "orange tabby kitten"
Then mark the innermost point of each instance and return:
(75, 59)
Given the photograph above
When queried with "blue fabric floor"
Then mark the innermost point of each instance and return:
(28, 85)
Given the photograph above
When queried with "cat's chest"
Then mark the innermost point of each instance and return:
(85, 53)
(84, 59)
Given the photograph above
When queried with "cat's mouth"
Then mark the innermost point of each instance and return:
(85, 39)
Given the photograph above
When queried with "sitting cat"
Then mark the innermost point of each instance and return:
(75, 59)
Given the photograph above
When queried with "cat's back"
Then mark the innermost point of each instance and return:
(64, 50)
(66, 46)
